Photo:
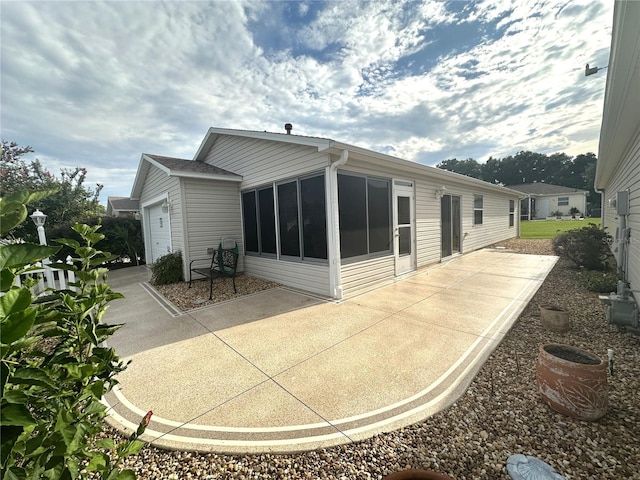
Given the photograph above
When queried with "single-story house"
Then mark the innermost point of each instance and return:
(313, 213)
(117, 206)
(542, 200)
(618, 166)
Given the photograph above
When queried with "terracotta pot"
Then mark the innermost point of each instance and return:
(554, 318)
(572, 381)
(417, 475)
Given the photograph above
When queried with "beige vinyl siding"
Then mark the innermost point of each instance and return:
(213, 213)
(158, 183)
(549, 203)
(627, 177)
(495, 226)
(261, 161)
(359, 275)
(302, 276)
(495, 220)
(427, 223)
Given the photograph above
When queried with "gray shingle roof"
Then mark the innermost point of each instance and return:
(541, 188)
(124, 203)
(183, 165)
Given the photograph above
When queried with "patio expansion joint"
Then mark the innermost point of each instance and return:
(271, 378)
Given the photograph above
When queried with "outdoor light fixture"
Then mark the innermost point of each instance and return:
(441, 191)
(166, 206)
(39, 218)
(591, 70)
(137, 216)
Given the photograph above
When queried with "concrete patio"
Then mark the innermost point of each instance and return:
(282, 371)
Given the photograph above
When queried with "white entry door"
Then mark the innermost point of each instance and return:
(159, 232)
(404, 226)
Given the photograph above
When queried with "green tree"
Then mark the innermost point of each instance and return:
(529, 167)
(72, 202)
(468, 167)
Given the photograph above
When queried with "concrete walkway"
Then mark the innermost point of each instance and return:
(281, 371)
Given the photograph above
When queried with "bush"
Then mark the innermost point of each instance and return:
(599, 282)
(167, 269)
(55, 366)
(122, 237)
(587, 247)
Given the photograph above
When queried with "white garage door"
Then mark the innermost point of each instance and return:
(159, 232)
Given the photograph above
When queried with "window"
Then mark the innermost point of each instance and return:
(299, 203)
(563, 201)
(364, 214)
(259, 221)
(288, 219)
(266, 214)
(314, 217)
(478, 205)
(512, 212)
(250, 222)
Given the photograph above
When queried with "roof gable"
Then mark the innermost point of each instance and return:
(213, 134)
(178, 167)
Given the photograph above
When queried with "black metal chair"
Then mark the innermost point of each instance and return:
(224, 264)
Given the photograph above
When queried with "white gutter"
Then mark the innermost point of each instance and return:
(335, 278)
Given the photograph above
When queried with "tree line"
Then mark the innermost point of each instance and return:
(531, 167)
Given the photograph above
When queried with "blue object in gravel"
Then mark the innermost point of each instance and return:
(525, 467)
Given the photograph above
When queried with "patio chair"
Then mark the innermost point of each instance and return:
(224, 264)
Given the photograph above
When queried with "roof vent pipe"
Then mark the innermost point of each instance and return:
(288, 127)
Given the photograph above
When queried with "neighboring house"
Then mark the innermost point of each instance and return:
(117, 206)
(618, 167)
(313, 213)
(543, 199)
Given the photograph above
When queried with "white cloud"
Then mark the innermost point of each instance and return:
(96, 84)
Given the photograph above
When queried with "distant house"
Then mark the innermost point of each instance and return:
(618, 167)
(543, 199)
(117, 206)
(313, 213)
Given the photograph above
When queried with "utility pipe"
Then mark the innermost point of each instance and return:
(335, 277)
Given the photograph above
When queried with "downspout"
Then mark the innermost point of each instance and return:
(335, 278)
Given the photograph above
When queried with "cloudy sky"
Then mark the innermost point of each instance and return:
(96, 84)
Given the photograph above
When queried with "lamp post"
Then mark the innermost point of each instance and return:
(39, 218)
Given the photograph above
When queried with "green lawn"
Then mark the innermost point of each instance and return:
(550, 228)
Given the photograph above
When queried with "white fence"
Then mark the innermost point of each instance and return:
(48, 278)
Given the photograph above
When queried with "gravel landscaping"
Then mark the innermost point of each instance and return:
(499, 415)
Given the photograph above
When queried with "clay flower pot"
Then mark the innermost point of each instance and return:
(554, 318)
(572, 381)
(417, 475)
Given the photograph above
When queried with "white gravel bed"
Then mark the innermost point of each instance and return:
(500, 414)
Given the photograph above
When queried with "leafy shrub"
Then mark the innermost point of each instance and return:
(167, 269)
(599, 282)
(587, 247)
(55, 367)
(122, 237)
